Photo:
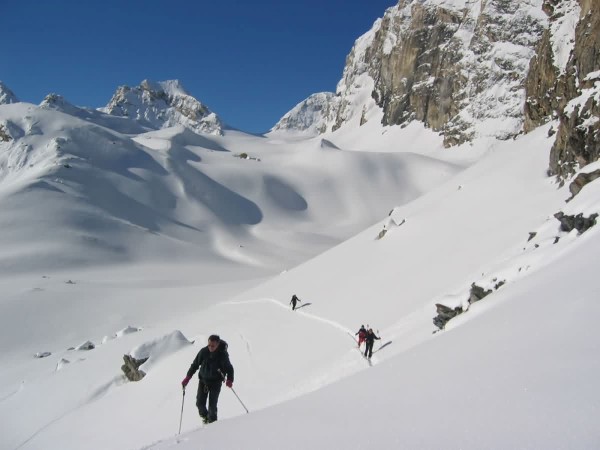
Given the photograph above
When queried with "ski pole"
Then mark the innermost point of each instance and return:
(181, 417)
(240, 400)
(235, 393)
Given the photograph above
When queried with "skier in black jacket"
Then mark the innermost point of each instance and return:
(370, 340)
(215, 368)
(293, 301)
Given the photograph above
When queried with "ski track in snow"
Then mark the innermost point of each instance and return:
(330, 322)
(9, 395)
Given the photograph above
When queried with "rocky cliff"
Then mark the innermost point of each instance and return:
(564, 83)
(161, 105)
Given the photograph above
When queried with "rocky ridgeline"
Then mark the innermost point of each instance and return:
(161, 105)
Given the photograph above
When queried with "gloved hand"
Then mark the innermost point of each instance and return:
(185, 381)
(229, 383)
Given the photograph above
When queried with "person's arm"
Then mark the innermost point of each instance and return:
(228, 368)
(190, 373)
(195, 365)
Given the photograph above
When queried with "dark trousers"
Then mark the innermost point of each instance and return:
(210, 392)
(369, 349)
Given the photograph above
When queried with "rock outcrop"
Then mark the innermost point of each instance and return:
(131, 368)
(581, 180)
(564, 83)
(577, 222)
(162, 105)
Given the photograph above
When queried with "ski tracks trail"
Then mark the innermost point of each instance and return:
(332, 323)
(329, 322)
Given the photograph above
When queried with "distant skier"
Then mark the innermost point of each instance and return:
(293, 301)
(215, 368)
(370, 340)
(362, 334)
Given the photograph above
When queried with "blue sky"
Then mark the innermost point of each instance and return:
(248, 61)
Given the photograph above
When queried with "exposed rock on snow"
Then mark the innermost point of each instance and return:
(445, 314)
(477, 293)
(42, 354)
(577, 222)
(131, 368)
(581, 180)
(87, 345)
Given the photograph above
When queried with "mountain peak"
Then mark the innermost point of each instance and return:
(163, 104)
(169, 87)
(58, 103)
(6, 95)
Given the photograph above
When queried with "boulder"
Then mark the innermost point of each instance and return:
(131, 368)
(578, 222)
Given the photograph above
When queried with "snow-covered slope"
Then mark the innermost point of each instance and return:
(499, 368)
(312, 116)
(105, 195)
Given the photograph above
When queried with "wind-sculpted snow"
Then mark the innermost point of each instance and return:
(159, 349)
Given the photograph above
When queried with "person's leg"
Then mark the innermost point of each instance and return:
(213, 399)
(201, 400)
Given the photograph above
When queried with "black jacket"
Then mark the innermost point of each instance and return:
(370, 338)
(210, 364)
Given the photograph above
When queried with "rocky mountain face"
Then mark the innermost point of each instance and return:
(564, 83)
(475, 68)
(6, 95)
(161, 105)
(457, 66)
